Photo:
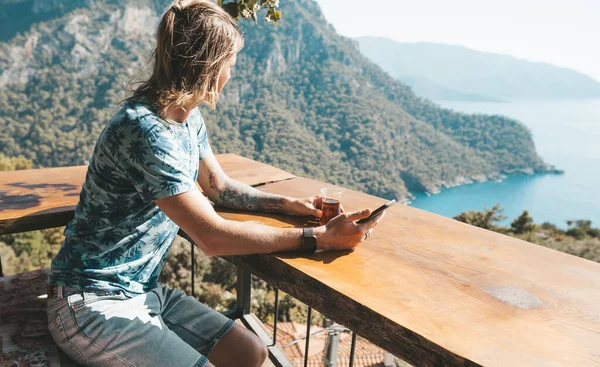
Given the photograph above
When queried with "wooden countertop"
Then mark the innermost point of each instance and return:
(427, 288)
(439, 292)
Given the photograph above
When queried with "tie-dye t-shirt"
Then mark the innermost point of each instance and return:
(119, 238)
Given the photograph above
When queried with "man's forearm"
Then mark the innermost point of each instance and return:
(242, 238)
(236, 195)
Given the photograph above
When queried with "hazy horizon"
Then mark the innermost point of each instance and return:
(486, 52)
(548, 31)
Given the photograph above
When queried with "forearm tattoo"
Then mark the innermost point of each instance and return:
(236, 195)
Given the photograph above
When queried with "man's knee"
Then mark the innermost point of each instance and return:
(240, 347)
(264, 353)
(259, 351)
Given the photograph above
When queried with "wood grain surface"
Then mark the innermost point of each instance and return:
(45, 198)
(439, 292)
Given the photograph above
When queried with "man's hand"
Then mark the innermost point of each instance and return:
(305, 206)
(343, 233)
(311, 205)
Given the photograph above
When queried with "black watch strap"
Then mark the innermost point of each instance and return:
(309, 241)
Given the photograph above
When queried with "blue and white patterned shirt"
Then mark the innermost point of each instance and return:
(119, 239)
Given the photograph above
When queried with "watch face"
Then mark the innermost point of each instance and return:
(309, 241)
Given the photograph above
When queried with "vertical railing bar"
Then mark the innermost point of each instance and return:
(276, 316)
(193, 266)
(352, 348)
(244, 289)
(307, 335)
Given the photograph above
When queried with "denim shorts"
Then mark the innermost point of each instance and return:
(163, 327)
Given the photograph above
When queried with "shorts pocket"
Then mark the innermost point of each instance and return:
(88, 309)
(57, 330)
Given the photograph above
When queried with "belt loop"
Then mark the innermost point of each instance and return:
(59, 291)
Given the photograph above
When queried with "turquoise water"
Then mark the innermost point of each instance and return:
(567, 135)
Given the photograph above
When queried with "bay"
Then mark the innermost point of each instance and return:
(567, 135)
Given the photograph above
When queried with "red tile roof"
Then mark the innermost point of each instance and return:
(291, 339)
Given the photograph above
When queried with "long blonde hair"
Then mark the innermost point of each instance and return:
(195, 39)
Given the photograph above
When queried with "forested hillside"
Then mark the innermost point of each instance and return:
(302, 98)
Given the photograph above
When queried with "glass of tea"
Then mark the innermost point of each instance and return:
(331, 204)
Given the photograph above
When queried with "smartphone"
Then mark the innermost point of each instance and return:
(378, 211)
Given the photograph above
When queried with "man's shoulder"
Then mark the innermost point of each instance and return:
(136, 120)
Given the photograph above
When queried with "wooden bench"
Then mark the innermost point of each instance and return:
(438, 292)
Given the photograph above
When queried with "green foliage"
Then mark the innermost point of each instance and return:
(14, 163)
(485, 219)
(581, 228)
(249, 9)
(524, 223)
(13, 264)
(594, 232)
(549, 226)
(577, 233)
(30, 250)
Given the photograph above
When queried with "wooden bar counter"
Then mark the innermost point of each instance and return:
(429, 289)
(438, 292)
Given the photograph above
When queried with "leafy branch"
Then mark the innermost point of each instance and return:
(249, 9)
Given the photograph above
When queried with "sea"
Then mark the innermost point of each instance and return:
(567, 135)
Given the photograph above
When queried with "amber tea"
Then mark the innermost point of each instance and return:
(331, 209)
(331, 204)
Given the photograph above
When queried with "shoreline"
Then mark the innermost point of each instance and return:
(459, 181)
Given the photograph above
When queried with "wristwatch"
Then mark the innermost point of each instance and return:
(309, 241)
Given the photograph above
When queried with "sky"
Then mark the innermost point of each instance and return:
(559, 32)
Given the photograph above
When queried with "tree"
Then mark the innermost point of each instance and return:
(221, 272)
(484, 219)
(523, 224)
(583, 224)
(594, 232)
(581, 228)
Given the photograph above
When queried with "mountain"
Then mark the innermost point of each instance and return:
(429, 89)
(473, 72)
(303, 98)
